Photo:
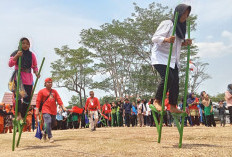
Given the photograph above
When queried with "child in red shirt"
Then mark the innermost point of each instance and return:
(106, 110)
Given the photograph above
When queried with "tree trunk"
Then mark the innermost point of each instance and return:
(80, 95)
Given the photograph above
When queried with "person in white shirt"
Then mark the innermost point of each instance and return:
(160, 52)
(145, 112)
(140, 113)
(148, 113)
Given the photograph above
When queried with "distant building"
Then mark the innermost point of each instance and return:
(8, 99)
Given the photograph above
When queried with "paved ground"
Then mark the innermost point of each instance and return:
(197, 141)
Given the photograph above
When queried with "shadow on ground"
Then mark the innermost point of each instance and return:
(40, 147)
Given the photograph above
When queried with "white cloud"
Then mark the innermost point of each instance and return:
(228, 35)
(213, 49)
(209, 37)
(217, 48)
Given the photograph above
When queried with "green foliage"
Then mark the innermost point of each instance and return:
(107, 98)
(75, 101)
(218, 97)
(73, 70)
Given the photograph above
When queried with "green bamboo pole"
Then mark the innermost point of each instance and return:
(117, 118)
(17, 97)
(166, 77)
(154, 111)
(186, 89)
(24, 120)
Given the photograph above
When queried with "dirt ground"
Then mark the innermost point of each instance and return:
(197, 141)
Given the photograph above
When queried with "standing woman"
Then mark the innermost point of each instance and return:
(192, 102)
(208, 109)
(160, 52)
(28, 62)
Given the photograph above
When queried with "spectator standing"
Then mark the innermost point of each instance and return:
(59, 118)
(106, 110)
(8, 119)
(208, 109)
(127, 109)
(113, 115)
(120, 113)
(140, 113)
(222, 115)
(192, 102)
(75, 119)
(228, 98)
(144, 105)
(134, 115)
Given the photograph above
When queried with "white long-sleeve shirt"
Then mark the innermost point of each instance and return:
(160, 49)
(148, 110)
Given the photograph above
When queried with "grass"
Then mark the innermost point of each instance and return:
(197, 141)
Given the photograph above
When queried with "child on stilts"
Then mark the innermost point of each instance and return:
(160, 52)
(28, 62)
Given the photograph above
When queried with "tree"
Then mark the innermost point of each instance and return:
(124, 49)
(108, 98)
(73, 70)
(114, 53)
(199, 76)
(75, 101)
(218, 97)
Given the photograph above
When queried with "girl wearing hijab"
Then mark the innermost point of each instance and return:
(28, 62)
(192, 102)
(160, 52)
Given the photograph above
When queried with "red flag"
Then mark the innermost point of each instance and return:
(192, 67)
(76, 109)
(105, 116)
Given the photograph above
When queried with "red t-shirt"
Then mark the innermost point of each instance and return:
(106, 108)
(50, 104)
(167, 104)
(92, 104)
(194, 107)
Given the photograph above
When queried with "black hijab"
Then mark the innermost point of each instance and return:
(190, 99)
(229, 88)
(26, 57)
(181, 27)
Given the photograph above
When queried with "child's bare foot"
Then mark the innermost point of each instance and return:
(173, 109)
(157, 105)
(19, 117)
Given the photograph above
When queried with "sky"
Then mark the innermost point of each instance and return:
(52, 24)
